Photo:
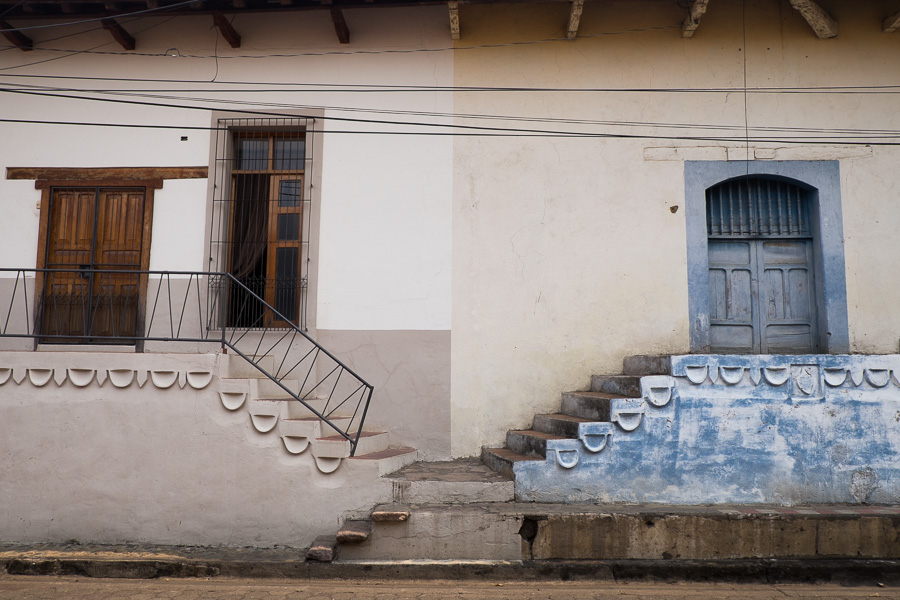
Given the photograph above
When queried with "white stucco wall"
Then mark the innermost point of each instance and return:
(132, 461)
(384, 254)
(569, 254)
(142, 465)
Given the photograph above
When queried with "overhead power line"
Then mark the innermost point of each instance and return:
(390, 88)
(437, 129)
(495, 132)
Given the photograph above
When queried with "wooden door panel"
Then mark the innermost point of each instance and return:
(731, 296)
(789, 338)
(71, 229)
(119, 229)
(118, 247)
(64, 309)
(114, 306)
(731, 339)
(65, 303)
(787, 288)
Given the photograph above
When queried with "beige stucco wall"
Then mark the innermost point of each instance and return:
(569, 253)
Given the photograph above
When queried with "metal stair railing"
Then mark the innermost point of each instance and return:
(102, 306)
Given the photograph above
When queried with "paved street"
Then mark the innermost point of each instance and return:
(71, 588)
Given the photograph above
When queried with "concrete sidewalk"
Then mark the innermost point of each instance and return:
(132, 562)
(846, 544)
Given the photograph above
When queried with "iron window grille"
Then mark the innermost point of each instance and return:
(260, 221)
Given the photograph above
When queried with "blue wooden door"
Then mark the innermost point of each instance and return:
(761, 272)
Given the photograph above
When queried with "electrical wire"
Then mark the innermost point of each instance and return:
(495, 132)
(384, 88)
(874, 133)
(566, 121)
(463, 129)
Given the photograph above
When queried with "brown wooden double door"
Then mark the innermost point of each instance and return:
(93, 234)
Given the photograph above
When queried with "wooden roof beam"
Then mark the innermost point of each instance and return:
(453, 6)
(16, 37)
(891, 24)
(820, 21)
(340, 25)
(226, 29)
(698, 9)
(119, 34)
(574, 18)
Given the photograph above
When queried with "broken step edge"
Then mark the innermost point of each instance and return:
(323, 549)
(354, 531)
(390, 514)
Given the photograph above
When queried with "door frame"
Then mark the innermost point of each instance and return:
(822, 179)
(149, 186)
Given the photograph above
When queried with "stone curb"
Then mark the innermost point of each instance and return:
(844, 571)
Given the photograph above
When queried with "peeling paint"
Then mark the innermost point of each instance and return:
(806, 430)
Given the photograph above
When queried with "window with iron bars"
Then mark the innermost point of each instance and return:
(260, 230)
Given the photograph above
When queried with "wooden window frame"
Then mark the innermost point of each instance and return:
(273, 176)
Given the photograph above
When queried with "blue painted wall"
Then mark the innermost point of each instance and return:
(784, 430)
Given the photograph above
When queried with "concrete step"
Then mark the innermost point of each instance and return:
(264, 388)
(386, 461)
(530, 442)
(390, 513)
(440, 532)
(354, 531)
(534, 531)
(336, 446)
(502, 460)
(234, 366)
(628, 386)
(595, 406)
(323, 549)
(559, 424)
(643, 364)
(313, 427)
(456, 481)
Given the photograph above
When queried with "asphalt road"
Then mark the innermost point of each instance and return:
(71, 588)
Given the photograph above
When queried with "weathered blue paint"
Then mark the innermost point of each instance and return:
(822, 178)
(739, 429)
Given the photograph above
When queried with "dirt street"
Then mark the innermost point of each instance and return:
(71, 588)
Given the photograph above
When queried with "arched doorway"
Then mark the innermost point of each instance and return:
(762, 288)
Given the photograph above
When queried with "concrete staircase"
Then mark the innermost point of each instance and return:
(587, 419)
(271, 410)
(440, 511)
(545, 500)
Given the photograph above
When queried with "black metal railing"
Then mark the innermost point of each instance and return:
(94, 306)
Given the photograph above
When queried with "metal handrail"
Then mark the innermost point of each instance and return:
(162, 317)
